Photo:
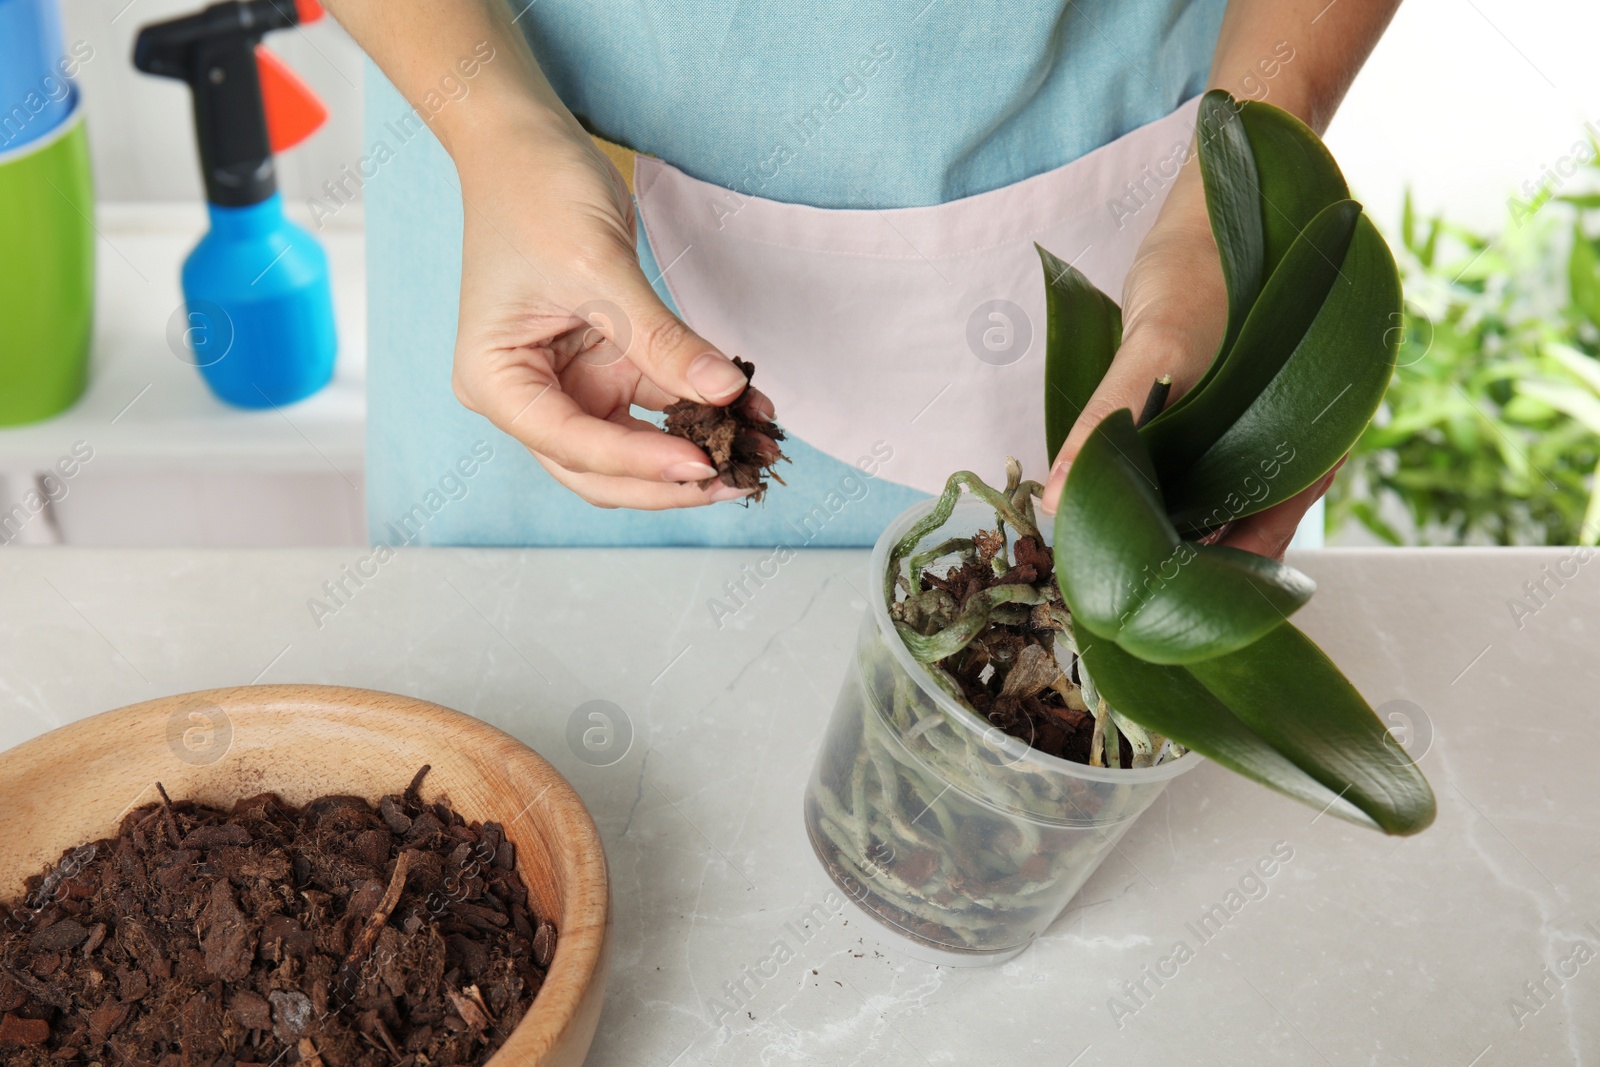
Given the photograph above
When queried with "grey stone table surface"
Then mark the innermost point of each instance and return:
(1476, 943)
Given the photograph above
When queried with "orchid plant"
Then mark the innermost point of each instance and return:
(1185, 644)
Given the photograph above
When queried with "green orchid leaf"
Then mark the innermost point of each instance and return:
(1083, 332)
(1177, 620)
(1285, 310)
(1266, 176)
(1292, 696)
(1298, 427)
(1127, 575)
(1297, 176)
(1233, 201)
(1173, 703)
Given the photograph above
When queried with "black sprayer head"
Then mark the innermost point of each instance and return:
(215, 52)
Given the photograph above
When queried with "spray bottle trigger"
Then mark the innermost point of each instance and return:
(293, 111)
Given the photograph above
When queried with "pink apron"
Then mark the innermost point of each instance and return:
(923, 327)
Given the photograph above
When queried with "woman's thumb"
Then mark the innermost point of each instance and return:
(1126, 384)
(671, 355)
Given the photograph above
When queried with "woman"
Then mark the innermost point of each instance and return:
(849, 198)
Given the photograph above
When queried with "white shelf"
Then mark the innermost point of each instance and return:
(147, 410)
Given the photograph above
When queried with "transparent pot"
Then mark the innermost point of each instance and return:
(963, 840)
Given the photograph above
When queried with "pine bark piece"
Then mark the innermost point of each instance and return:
(59, 937)
(743, 448)
(1034, 671)
(473, 1011)
(17, 1032)
(251, 1011)
(544, 944)
(107, 1019)
(230, 940)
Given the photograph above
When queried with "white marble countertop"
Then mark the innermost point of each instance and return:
(1359, 950)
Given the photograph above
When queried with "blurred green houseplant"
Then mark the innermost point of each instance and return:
(1490, 430)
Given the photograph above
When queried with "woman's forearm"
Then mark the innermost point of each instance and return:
(1298, 54)
(430, 45)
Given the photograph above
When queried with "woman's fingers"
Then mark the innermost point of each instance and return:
(606, 491)
(758, 404)
(1269, 532)
(1174, 312)
(1143, 357)
(676, 359)
(647, 394)
(613, 492)
(518, 393)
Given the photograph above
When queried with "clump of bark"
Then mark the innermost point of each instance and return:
(743, 447)
(333, 935)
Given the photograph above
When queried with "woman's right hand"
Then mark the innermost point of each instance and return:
(560, 331)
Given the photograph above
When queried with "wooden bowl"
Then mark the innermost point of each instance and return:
(74, 784)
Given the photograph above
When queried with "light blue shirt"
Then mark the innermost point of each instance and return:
(870, 104)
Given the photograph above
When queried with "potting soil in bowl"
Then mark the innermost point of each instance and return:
(332, 935)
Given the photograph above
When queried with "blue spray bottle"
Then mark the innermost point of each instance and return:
(260, 312)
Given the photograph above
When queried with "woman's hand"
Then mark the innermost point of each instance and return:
(1301, 56)
(1175, 310)
(560, 331)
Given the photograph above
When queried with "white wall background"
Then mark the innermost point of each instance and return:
(141, 133)
(1466, 100)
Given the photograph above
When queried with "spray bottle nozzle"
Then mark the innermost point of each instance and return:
(246, 102)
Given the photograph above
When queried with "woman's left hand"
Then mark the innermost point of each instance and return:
(1175, 310)
(1299, 55)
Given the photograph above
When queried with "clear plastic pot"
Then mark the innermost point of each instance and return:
(963, 840)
